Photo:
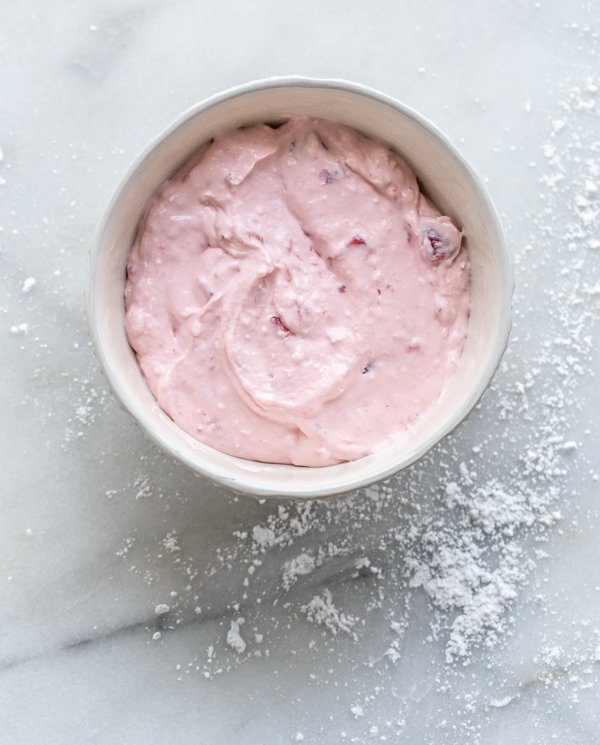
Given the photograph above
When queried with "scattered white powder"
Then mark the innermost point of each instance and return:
(300, 565)
(143, 487)
(171, 543)
(89, 404)
(500, 703)
(234, 638)
(568, 446)
(20, 329)
(263, 538)
(321, 610)
(28, 285)
(126, 547)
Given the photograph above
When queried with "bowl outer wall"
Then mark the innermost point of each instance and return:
(252, 477)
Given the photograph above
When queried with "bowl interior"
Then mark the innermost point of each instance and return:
(443, 176)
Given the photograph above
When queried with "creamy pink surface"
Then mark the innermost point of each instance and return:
(293, 298)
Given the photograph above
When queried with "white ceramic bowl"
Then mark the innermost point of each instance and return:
(444, 176)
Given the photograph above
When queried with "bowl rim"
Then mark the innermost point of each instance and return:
(292, 489)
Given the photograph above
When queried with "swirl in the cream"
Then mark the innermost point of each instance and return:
(292, 297)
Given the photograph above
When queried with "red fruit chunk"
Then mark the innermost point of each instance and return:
(357, 240)
(438, 245)
(436, 241)
(280, 324)
(367, 368)
(327, 176)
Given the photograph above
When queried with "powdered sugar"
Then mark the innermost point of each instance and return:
(234, 638)
(300, 565)
(28, 285)
(19, 329)
(321, 611)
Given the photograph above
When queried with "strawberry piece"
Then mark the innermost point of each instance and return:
(358, 240)
(436, 241)
(438, 245)
(327, 176)
(280, 324)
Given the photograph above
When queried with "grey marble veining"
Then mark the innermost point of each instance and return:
(99, 528)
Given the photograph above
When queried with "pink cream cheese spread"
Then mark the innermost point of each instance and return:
(292, 297)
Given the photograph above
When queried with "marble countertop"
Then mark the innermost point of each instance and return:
(457, 603)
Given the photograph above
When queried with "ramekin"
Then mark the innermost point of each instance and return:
(444, 176)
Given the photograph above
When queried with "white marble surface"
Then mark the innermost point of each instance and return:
(98, 527)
